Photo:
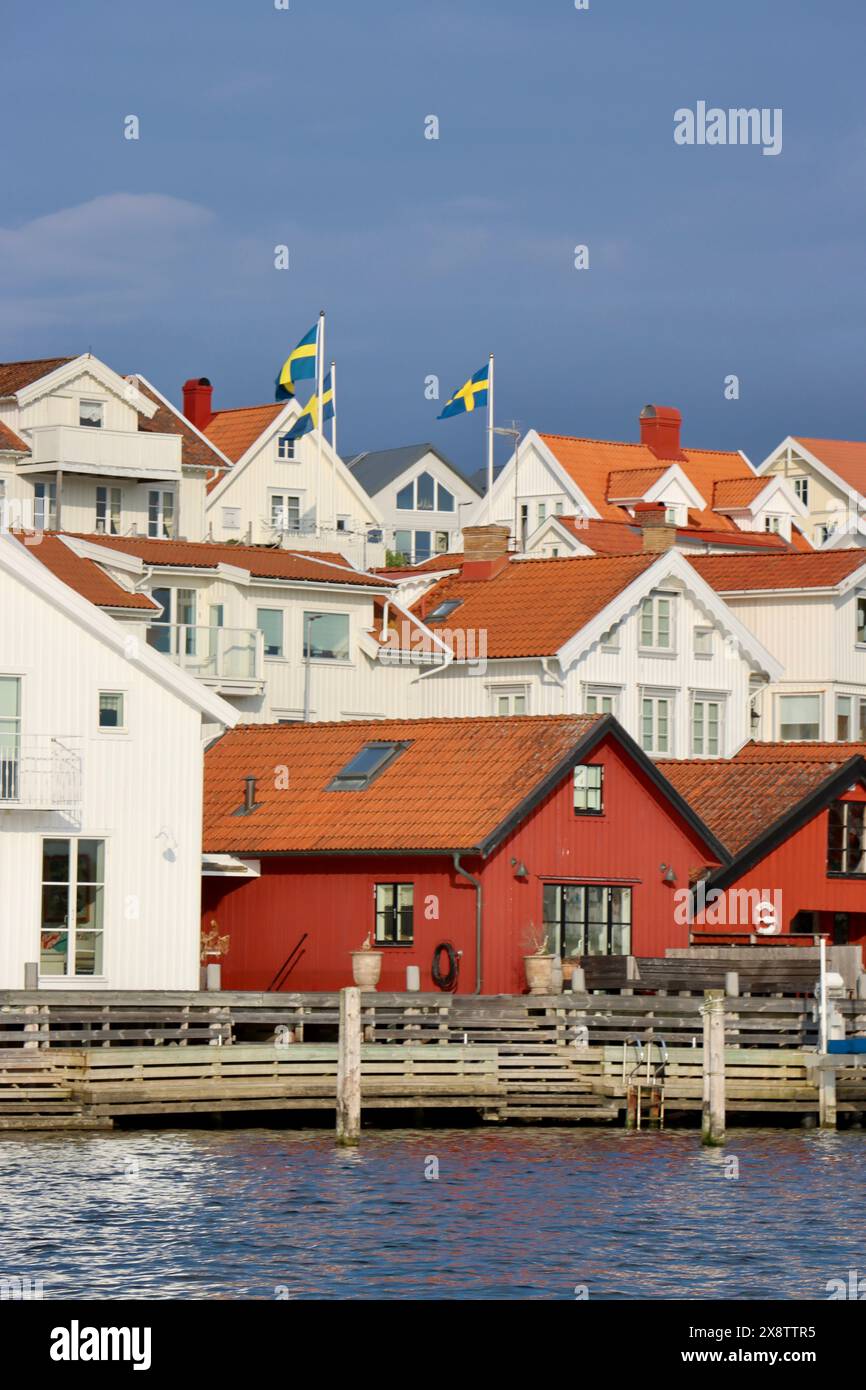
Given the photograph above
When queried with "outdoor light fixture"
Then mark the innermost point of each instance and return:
(520, 869)
(668, 873)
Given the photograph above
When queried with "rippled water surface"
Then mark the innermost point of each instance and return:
(526, 1213)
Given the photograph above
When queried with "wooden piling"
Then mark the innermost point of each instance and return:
(713, 1120)
(827, 1094)
(349, 1068)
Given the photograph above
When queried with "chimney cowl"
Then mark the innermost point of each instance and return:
(660, 427)
(197, 401)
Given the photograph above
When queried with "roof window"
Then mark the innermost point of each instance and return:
(443, 610)
(365, 766)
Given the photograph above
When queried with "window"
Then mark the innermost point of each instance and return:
(590, 920)
(656, 623)
(861, 618)
(403, 544)
(343, 523)
(111, 709)
(231, 518)
(446, 499)
(588, 782)
(542, 513)
(269, 622)
(326, 636)
(109, 503)
(394, 914)
(443, 610)
(174, 631)
(843, 718)
(285, 447)
(703, 641)
(861, 722)
(442, 542)
(365, 766)
(706, 727)
(846, 846)
(656, 723)
(160, 515)
(559, 508)
(773, 524)
(45, 509)
(10, 736)
(406, 498)
(90, 414)
(509, 701)
(801, 489)
(285, 511)
(423, 550)
(73, 886)
(425, 494)
(600, 701)
(799, 717)
(524, 523)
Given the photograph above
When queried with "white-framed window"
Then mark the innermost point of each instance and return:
(286, 449)
(112, 710)
(231, 518)
(844, 727)
(861, 619)
(773, 524)
(657, 623)
(45, 506)
(91, 414)
(656, 723)
(509, 699)
(799, 718)
(73, 907)
(801, 490)
(109, 510)
(160, 514)
(425, 494)
(703, 641)
(10, 737)
(395, 904)
(344, 523)
(675, 514)
(326, 636)
(846, 838)
(601, 699)
(558, 508)
(708, 712)
(542, 513)
(589, 789)
(269, 622)
(285, 510)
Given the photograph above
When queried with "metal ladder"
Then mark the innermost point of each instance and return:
(646, 1080)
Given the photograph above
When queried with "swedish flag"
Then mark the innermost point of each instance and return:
(300, 365)
(309, 417)
(473, 394)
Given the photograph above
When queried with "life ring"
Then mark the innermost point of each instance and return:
(448, 982)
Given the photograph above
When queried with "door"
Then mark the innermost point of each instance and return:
(10, 736)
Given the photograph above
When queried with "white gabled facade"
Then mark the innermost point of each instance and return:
(532, 486)
(834, 509)
(422, 499)
(100, 823)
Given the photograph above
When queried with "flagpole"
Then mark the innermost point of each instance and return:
(490, 435)
(334, 404)
(320, 374)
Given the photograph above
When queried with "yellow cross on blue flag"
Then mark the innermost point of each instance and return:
(300, 365)
(309, 417)
(472, 394)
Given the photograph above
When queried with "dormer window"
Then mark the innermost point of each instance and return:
(285, 448)
(366, 766)
(773, 524)
(90, 414)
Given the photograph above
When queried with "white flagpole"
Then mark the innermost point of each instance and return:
(490, 434)
(334, 404)
(320, 373)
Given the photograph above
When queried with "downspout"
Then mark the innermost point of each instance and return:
(476, 883)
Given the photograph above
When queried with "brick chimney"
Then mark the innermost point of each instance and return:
(658, 533)
(197, 394)
(660, 431)
(485, 551)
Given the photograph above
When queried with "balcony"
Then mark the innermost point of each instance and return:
(39, 772)
(230, 659)
(105, 453)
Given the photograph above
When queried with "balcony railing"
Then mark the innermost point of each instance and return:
(106, 453)
(221, 655)
(40, 772)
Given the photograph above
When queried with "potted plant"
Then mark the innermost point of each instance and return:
(366, 965)
(539, 965)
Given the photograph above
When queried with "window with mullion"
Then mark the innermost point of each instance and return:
(846, 842)
(395, 903)
(587, 919)
(73, 888)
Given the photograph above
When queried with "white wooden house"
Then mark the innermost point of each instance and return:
(828, 477)
(422, 496)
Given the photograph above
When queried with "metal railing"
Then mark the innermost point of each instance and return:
(211, 653)
(40, 772)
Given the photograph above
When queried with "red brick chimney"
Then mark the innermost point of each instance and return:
(485, 551)
(660, 431)
(658, 533)
(197, 394)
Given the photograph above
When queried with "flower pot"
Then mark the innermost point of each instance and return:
(539, 974)
(366, 968)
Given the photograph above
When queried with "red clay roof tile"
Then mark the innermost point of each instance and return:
(83, 575)
(814, 570)
(14, 376)
(265, 562)
(233, 431)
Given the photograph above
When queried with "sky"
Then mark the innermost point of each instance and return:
(305, 127)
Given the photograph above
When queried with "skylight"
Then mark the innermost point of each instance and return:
(443, 610)
(365, 766)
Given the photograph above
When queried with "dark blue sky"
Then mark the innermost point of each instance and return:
(306, 127)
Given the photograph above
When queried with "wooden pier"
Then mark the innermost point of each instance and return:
(77, 1061)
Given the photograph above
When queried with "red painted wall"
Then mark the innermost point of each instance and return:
(332, 898)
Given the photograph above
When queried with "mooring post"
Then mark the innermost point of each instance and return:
(349, 1067)
(713, 1121)
(827, 1094)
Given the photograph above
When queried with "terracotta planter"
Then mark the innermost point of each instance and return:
(539, 974)
(366, 968)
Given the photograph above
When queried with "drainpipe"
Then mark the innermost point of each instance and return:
(476, 883)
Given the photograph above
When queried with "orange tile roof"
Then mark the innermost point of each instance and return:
(740, 573)
(14, 376)
(84, 576)
(590, 462)
(740, 798)
(632, 482)
(620, 538)
(320, 567)
(195, 451)
(452, 561)
(844, 457)
(10, 440)
(451, 788)
(233, 431)
(737, 492)
(531, 607)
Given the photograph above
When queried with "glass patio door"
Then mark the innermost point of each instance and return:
(10, 737)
